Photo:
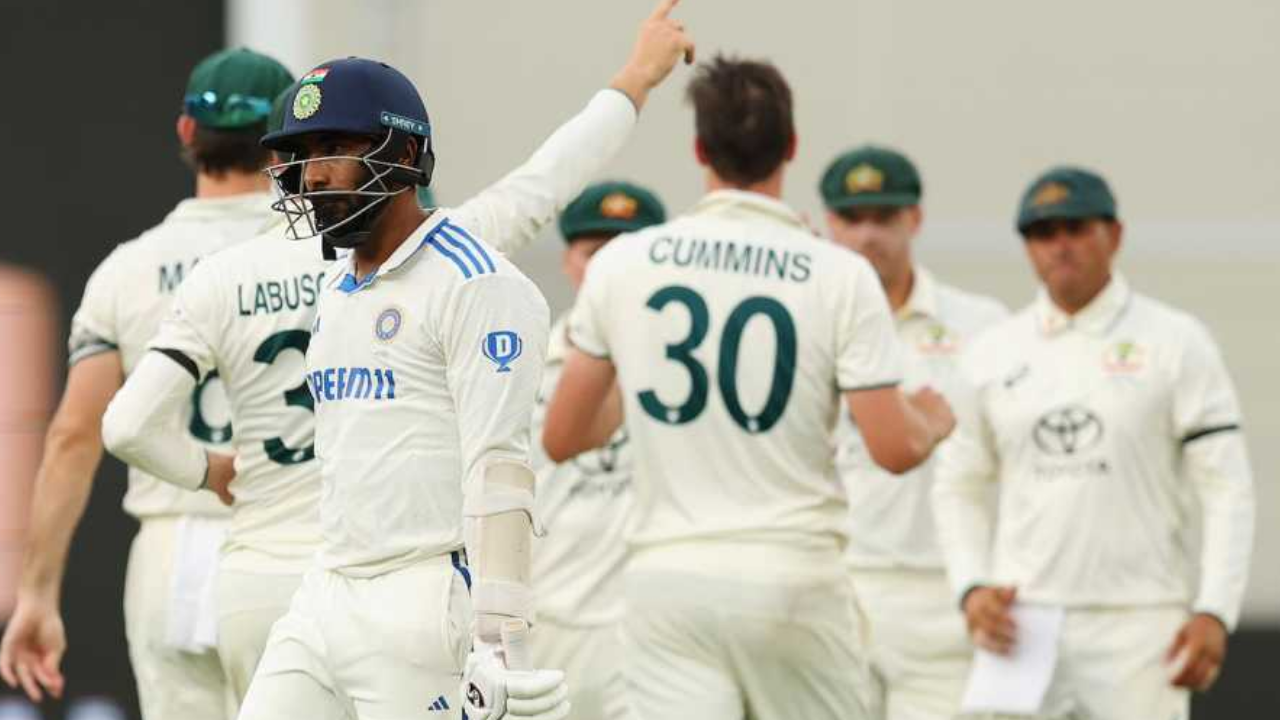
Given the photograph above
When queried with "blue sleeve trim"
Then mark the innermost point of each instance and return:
(478, 247)
(440, 248)
(463, 249)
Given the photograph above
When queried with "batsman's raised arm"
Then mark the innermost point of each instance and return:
(512, 212)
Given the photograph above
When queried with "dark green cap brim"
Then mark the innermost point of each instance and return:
(1065, 193)
(864, 200)
(1061, 212)
(603, 226)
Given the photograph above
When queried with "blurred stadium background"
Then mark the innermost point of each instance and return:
(1174, 102)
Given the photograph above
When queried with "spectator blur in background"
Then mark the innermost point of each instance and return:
(27, 348)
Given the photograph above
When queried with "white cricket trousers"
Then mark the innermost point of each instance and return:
(1111, 666)
(917, 646)
(389, 647)
(172, 683)
(248, 605)
(591, 658)
(740, 639)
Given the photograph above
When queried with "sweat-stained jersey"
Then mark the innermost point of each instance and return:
(890, 516)
(423, 372)
(734, 331)
(1099, 428)
(125, 301)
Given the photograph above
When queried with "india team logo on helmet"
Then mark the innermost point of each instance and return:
(388, 324)
(307, 102)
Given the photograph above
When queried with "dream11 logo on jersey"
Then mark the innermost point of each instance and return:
(502, 347)
(1065, 436)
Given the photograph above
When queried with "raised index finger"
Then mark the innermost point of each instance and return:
(664, 9)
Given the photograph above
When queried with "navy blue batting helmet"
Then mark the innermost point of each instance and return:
(352, 96)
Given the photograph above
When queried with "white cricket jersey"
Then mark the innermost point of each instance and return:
(585, 505)
(249, 318)
(423, 372)
(734, 331)
(125, 301)
(890, 518)
(1100, 428)
(246, 313)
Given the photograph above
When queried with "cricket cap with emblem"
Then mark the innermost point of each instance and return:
(870, 176)
(1066, 193)
(357, 96)
(611, 208)
(233, 89)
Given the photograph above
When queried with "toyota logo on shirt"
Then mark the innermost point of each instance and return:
(1068, 430)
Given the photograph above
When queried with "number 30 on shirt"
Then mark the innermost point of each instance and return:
(784, 369)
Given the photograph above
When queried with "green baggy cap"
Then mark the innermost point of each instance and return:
(1066, 193)
(870, 176)
(611, 207)
(234, 89)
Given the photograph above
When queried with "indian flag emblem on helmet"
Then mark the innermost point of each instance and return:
(314, 76)
(307, 102)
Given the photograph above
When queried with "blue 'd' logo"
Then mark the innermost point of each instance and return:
(502, 348)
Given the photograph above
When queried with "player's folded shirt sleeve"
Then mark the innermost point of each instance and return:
(95, 326)
(867, 352)
(966, 464)
(513, 211)
(1206, 423)
(494, 333)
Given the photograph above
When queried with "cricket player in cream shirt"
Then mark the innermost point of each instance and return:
(733, 335)
(248, 314)
(1101, 416)
(917, 647)
(170, 620)
(586, 502)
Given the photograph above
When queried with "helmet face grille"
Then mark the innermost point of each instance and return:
(384, 180)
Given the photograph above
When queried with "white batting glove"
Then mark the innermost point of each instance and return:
(491, 691)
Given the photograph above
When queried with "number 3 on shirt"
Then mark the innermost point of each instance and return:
(784, 369)
(297, 396)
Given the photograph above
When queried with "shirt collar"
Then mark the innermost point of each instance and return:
(923, 300)
(1096, 318)
(346, 280)
(742, 202)
(245, 205)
